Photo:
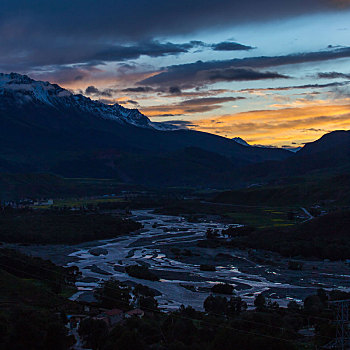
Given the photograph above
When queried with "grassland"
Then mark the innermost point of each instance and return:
(61, 227)
(260, 216)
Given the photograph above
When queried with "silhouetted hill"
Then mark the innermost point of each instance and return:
(325, 237)
(336, 140)
(330, 155)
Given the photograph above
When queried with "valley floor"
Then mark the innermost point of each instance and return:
(250, 272)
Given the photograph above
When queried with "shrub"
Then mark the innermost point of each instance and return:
(222, 288)
(141, 272)
(205, 267)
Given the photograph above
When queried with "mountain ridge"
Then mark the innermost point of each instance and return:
(45, 128)
(27, 89)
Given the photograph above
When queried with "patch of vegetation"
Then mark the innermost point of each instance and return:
(113, 294)
(33, 303)
(222, 288)
(226, 324)
(141, 271)
(205, 267)
(296, 191)
(325, 237)
(259, 215)
(24, 266)
(140, 289)
(18, 186)
(61, 226)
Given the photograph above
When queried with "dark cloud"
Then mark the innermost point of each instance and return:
(140, 18)
(57, 32)
(41, 53)
(240, 74)
(209, 101)
(190, 76)
(174, 90)
(191, 106)
(179, 123)
(149, 48)
(295, 87)
(139, 89)
(231, 46)
(62, 74)
(198, 71)
(198, 93)
(94, 91)
(91, 90)
(315, 130)
(333, 75)
(132, 102)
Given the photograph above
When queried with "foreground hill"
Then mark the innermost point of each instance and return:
(325, 237)
(44, 128)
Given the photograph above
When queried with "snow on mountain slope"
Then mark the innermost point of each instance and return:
(27, 90)
(241, 141)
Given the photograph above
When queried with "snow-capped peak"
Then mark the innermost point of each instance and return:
(26, 90)
(29, 89)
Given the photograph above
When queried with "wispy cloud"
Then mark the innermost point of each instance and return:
(279, 126)
(189, 107)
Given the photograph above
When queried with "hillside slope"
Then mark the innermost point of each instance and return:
(44, 128)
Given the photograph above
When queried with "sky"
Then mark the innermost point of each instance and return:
(271, 72)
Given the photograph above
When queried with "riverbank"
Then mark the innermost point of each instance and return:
(168, 246)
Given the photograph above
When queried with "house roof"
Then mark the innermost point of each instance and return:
(135, 312)
(114, 312)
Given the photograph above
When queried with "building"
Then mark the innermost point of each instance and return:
(134, 313)
(114, 316)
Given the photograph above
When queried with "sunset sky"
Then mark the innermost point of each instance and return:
(271, 72)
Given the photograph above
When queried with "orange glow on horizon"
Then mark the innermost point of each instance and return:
(280, 127)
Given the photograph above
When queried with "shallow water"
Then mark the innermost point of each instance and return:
(152, 248)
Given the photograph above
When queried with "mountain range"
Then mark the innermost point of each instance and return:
(47, 129)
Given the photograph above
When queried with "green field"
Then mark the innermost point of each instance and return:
(261, 217)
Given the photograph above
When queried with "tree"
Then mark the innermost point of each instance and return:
(272, 305)
(142, 272)
(140, 289)
(222, 288)
(321, 293)
(94, 332)
(211, 233)
(260, 302)
(235, 306)
(129, 340)
(112, 294)
(148, 303)
(217, 304)
(293, 306)
(56, 337)
(313, 305)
